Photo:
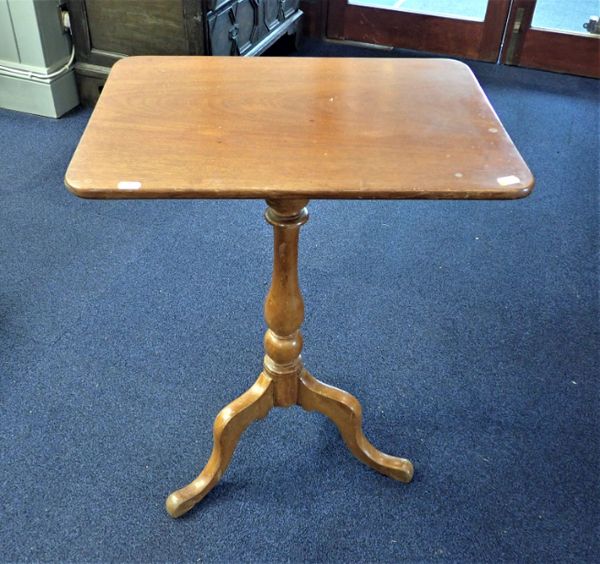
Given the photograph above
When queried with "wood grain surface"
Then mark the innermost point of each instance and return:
(212, 127)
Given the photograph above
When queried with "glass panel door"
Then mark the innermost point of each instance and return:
(564, 15)
(464, 28)
(557, 35)
(462, 10)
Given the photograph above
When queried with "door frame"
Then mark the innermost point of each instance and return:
(434, 34)
(565, 52)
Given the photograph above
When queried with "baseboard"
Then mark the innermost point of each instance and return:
(50, 98)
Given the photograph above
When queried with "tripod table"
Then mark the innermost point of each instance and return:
(287, 130)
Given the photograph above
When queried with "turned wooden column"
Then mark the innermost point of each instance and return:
(284, 381)
(284, 307)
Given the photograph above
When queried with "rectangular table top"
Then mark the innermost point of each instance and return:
(235, 127)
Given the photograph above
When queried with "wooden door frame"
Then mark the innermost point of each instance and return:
(548, 50)
(435, 34)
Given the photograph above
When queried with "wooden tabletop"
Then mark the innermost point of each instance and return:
(235, 127)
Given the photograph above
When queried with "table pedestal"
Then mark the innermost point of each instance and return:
(284, 381)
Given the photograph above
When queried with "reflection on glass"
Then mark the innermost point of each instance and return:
(460, 9)
(564, 15)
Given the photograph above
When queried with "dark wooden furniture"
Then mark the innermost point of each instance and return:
(105, 31)
(200, 127)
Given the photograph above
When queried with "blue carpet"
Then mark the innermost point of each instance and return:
(468, 330)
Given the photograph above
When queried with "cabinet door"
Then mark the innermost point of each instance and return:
(289, 7)
(137, 27)
(216, 4)
(234, 29)
(106, 30)
(277, 11)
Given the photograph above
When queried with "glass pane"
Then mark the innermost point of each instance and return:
(459, 9)
(564, 15)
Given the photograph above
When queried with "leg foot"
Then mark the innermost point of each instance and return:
(345, 411)
(230, 423)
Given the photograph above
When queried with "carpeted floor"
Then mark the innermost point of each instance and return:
(469, 331)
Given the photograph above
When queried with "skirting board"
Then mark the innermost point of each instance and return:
(51, 98)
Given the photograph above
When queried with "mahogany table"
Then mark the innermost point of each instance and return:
(287, 130)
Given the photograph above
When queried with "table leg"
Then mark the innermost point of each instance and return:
(229, 425)
(284, 381)
(345, 411)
